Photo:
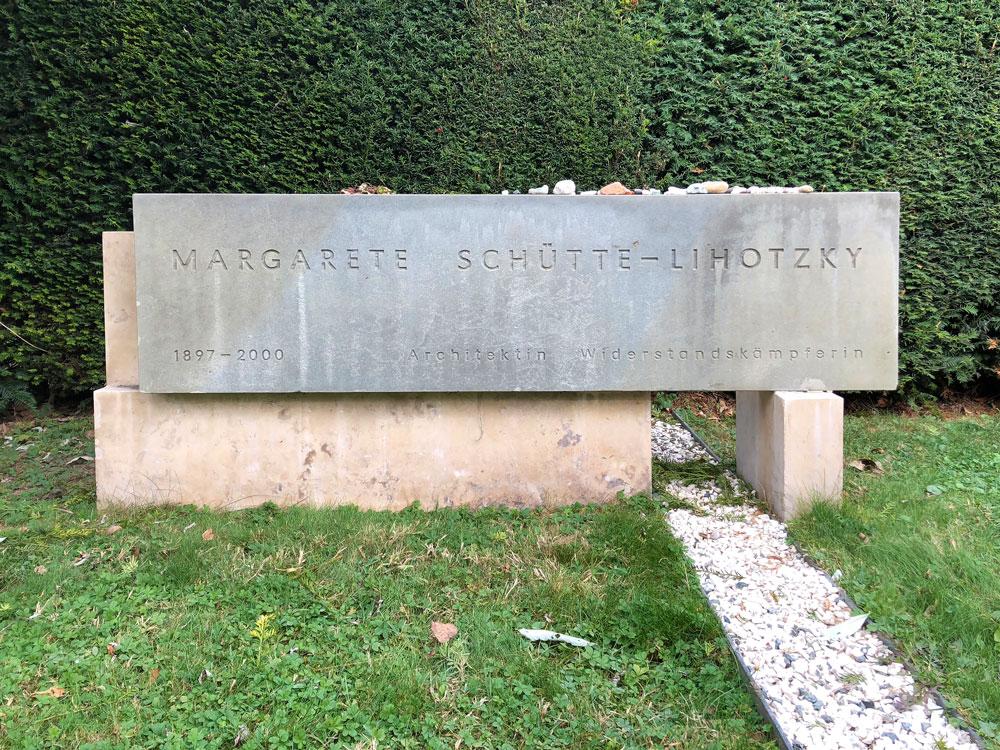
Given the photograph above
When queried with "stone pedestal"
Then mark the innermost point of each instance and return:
(382, 451)
(790, 447)
(371, 450)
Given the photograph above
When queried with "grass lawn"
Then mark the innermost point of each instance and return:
(918, 544)
(311, 628)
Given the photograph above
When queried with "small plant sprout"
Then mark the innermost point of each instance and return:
(264, 632)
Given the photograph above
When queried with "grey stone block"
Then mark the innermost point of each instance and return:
(410, 293)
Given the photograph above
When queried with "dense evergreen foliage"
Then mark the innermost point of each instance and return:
(102, 99)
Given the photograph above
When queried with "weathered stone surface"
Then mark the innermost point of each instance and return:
(790, 448)
(372, 450)
(121, 356)
(282, 293)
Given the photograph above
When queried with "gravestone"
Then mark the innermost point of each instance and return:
(473, 349)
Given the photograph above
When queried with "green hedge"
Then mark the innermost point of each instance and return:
(105, 98)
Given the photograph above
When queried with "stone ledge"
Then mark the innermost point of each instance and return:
(376, 451)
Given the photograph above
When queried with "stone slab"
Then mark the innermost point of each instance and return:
(121, 336)
(790, 448)
(375, 451)
(433, 293)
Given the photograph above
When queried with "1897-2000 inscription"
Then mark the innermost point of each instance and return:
(285, 293)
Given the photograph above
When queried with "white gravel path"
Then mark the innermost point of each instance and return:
(826, 693)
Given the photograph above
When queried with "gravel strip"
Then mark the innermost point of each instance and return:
(825, 692)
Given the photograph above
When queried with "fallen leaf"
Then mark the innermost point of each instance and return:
(111, 649)
(53, 692)
(89, 433)
(209, 535)
(866, 464)
(79, 458)
(443, 631)
(927, 574)
(153, 674)
(41, 569)
(847, 627)
(933, 489)
(113, 529)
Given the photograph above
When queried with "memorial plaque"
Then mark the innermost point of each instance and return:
(340, 293)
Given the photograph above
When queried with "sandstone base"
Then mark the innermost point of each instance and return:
(371, 450)
(790, 447)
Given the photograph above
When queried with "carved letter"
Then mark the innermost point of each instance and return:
(541, 258)
(192, 259)
(217, 258)
(743, 258)
(724, 257)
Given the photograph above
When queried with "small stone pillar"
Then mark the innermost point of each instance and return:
(790, 447)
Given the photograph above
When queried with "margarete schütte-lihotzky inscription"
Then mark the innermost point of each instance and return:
(337, 293)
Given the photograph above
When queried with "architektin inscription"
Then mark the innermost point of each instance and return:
(340, 293)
